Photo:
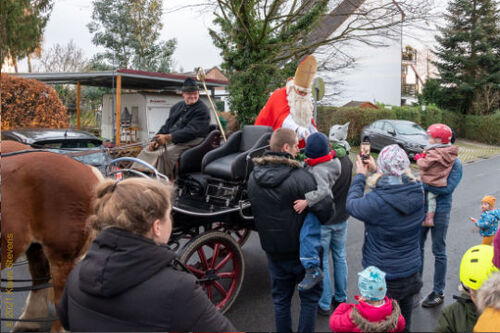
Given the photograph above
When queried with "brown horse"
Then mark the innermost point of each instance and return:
(46, 200)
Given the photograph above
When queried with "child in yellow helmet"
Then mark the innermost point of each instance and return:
(475, 268)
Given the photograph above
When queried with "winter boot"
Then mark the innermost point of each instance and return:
(313, 276)
(429, 219)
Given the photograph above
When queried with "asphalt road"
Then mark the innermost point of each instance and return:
(253, 310)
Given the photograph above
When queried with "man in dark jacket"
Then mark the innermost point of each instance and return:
(334, 233)
(187, 125)
(126, 282)
(275, 183)
(438, 233)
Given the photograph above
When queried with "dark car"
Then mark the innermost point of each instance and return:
(409, 135)
(63, 141)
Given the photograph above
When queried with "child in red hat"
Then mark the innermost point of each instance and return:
(435, 164)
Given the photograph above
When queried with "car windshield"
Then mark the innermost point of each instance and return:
(67, 144)
(410, 129)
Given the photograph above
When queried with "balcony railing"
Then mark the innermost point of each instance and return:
(409, 90)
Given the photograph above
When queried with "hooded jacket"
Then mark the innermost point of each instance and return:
(363, 317)
(392, 214)
(274, 184)
(187, 122)
(445, 194)
(325, 175)
(461, 316)
(128, 283)
(437, 164)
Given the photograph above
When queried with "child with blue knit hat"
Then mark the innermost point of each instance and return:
(375, 312)
(325, 168)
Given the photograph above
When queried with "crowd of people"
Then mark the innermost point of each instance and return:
(394, 206)
(301, 216)
(131, 281)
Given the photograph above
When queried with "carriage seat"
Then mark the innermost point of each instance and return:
(190, 160)
(230, 160)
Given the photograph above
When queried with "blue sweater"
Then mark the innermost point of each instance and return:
(443, 200)
(488, 222)
(393, 214)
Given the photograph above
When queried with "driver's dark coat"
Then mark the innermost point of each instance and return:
(273, 186)
(187, 122)
(128, 283)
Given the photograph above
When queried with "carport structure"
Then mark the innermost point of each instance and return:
(119, 79)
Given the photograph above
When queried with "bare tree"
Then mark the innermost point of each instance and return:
(266, 38)
(62, 58)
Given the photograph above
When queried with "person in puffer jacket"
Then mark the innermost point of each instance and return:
(392, 214)
(375, 312)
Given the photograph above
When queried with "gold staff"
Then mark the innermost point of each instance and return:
(200, 75)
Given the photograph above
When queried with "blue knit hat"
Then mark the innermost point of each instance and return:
(371, 284)
(317, 145)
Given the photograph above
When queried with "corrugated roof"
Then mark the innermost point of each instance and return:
(131, 79)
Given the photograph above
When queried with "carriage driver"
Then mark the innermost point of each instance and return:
(186, 127)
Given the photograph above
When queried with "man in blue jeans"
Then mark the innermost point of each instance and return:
(275, 183)
(438, 233)
(333, 234)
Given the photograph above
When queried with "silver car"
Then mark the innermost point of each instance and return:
(409, 135)
(63, 141)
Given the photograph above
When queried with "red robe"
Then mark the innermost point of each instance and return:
(275, 112)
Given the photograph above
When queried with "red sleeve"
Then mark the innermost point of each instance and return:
(340, 320)
(275, 111)
(401, 324)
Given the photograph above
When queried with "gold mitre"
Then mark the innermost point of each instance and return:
(305, 72)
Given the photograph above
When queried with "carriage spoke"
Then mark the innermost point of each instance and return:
(226, 275)
(215, 255)
(209, 292)
(220, 289)
(203, 258)
(224, 261)
(195, 271)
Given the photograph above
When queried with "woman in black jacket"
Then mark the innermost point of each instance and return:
(129, 280)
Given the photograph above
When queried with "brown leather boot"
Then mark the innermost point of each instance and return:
(429, 219)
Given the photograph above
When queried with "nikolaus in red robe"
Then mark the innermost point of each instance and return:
(291, 106)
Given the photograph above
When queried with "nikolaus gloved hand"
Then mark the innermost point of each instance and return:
(302, 133)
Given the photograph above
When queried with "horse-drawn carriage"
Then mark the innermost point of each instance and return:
(46, 200)
(211, 213)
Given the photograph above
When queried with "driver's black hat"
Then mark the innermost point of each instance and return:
(189, 85)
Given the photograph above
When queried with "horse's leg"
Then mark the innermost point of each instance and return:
(37, 305)
(60, 267)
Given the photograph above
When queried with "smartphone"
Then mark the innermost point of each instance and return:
(365, 151)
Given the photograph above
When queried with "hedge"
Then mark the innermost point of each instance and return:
(479, 128)
(30, 103)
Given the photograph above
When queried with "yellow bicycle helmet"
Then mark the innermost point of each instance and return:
(476, 266)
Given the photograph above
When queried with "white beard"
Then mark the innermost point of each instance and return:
(301, 107)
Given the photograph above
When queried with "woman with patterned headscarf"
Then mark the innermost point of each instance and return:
(392, 213)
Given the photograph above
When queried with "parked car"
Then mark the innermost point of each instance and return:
(409, 135)
(63, 141)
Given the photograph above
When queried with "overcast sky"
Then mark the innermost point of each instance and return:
(194, 45)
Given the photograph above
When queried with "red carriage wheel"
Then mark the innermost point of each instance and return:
(215, 258)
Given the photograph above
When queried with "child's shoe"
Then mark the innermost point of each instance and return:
(313, 276)
(429, 219)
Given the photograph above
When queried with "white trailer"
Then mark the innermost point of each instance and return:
(145, 111)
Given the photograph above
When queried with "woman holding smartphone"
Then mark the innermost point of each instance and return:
(392, 213)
